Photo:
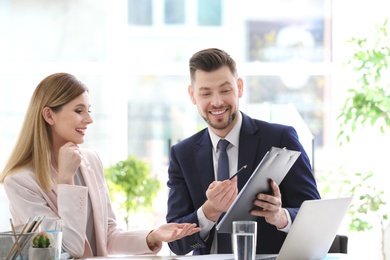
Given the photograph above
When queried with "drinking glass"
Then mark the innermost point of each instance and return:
(244, 240)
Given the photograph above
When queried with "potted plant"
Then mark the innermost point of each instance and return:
(41, 248)
(132, 186)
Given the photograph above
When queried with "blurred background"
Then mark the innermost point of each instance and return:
(133, 55)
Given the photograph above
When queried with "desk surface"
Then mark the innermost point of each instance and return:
(213, 256)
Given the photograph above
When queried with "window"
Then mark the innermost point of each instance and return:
(174, 12)
(139, 12)
(209, 12)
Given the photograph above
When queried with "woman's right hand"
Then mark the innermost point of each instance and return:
(69, 159)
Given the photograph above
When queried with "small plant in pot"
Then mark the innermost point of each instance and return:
(41, 247)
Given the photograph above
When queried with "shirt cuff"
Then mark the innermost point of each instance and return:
(204, 223)
(288, 226)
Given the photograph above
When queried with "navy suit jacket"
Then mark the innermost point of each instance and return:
(191, 172)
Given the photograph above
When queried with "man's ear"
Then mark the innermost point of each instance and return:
(191, 93)
(47, 114)
(240, 86)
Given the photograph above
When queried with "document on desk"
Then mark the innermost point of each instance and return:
(274, 165)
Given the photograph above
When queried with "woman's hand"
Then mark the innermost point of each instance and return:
(69, 159)
(170, 232)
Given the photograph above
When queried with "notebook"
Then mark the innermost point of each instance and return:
(313, 230)
(274, 165)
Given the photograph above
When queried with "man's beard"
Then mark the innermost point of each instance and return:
(221, 127)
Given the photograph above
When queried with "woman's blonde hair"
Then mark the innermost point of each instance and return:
(34, 145)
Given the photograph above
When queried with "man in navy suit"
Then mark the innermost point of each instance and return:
(196, 197)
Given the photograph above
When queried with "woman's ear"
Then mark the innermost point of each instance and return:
(47, 114)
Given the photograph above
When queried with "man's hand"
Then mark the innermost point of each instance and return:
(270, 207)
(220, 195)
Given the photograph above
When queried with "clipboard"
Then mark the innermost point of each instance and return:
(274, 165)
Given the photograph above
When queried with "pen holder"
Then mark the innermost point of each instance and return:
(14, 246)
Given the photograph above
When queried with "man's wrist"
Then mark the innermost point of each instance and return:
(209, 212)
(287, 226)
(204, 223)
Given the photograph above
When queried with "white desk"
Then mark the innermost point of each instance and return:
(200, 257)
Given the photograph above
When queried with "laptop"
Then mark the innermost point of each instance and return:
(313, 230)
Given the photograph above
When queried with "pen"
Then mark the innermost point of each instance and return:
(34, 222)
(234, 175)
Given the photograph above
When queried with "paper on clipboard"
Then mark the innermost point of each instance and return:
(274, 165)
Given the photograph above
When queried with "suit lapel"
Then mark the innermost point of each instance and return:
(204, 160)
(248, 148)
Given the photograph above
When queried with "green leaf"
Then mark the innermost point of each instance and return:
(131, 184)
(368, 103)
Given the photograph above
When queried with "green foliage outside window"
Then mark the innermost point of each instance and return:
(369, 100)
(367, 106)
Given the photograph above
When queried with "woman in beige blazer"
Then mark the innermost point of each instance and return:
(49, 174)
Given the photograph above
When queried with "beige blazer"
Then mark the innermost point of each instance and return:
(69, 202)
